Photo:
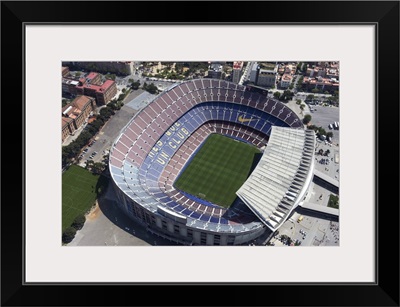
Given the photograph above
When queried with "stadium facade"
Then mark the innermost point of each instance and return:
(152, 149)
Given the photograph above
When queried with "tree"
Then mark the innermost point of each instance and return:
(78, 222)
(329, 134)
(68, 235)
(89, 164)
(333, 201)
(135, 85)
(97, 167)
(277, 95)
(307, 119)
(302, 106)
(64, 102)
(321, 131)
(299, 82)
(310, 97)
(315, 90)
(298, 101)
(151, 88)
(287, 95)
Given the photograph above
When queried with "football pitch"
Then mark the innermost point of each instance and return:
(79, 192)
(218, 170)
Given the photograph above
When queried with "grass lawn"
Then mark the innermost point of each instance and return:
(218, 170)
(79, 192)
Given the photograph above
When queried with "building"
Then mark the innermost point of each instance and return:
(323, 84)
(67, 127)
(75, 114)
(69, 86)
(103, 93)
(267, 77)
(215, 71)
(254, 72)
(237, 71)
(272, 193)
(91, 85)
(119, 68)
(286, 80)
(315, 72)
(264, 74)
(64, 71)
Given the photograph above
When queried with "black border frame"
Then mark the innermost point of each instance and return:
(384, 15)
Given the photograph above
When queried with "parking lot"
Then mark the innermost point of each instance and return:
(328, 165)
(323, 116)
(109, 132)
(312, 230)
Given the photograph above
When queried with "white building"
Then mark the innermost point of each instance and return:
(254, 72)
(286, 80)
(282, 177)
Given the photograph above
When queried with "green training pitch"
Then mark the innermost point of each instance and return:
(79, 192)
(218, 170)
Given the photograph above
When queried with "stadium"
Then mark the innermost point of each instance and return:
(163, 141)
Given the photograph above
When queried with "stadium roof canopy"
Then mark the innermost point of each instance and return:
(281, 178)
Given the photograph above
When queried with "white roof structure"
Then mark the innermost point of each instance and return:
(279, 182)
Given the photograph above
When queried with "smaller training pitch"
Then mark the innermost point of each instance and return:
(218, 170)
(79, 192)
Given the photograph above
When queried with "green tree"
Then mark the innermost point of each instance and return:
(315, 90)
(135, 85)
(287, 95)
(333, 201)
(68, 235)
(307, 118)
(277, 95)
(78, 222)
(64, 102)
(299, 82)
(329, 134)
(89, 164)
(98, 167)
(310, 97)
(302, 106)
(298, 101)
(151, 88)
(321, 131)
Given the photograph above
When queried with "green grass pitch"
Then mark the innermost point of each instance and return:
(218, 170)
(79, 188)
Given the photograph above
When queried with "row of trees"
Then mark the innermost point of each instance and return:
(69, 233)
(72, 150)
(285, 96)
(320, 131)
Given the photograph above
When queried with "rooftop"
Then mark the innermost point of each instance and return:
(237, 65)
(278, 183)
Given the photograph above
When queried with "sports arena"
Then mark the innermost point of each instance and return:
(161, 140)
